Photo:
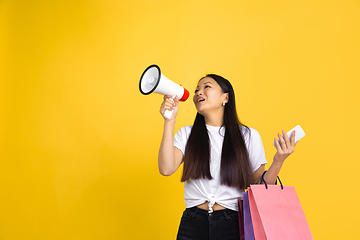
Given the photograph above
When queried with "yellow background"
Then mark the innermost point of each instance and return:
(79, 143)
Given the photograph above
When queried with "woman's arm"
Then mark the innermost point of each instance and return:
(170, 157)
(284, 149)
(257, 174)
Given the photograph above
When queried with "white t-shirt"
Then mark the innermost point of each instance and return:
(201, 190)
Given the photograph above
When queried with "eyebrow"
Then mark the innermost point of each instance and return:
(204, 83)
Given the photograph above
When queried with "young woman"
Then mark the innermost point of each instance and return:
(221, 158)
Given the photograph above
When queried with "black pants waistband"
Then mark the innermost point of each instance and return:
(194, 210)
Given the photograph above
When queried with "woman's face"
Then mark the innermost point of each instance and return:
(209, 96)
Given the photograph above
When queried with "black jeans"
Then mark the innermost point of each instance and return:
(197, 223)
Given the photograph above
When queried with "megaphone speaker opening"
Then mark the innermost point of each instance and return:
(152, 80)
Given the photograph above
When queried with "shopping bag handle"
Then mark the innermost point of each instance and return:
(263, 181)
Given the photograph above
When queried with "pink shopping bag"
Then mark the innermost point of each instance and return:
(277, 214)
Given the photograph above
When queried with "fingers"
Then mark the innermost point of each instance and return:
(176, 100)
(293, 143)
(287, 140)
(168, 103)
(281, 142)
(277, 144)
(285, 146)
(285, 143)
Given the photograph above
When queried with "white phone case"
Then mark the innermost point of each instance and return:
(299, 133)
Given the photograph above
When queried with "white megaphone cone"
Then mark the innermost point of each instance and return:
(153, 81)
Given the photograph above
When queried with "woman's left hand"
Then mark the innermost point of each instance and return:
(285, 147)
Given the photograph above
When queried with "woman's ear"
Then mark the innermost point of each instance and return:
(226, 97)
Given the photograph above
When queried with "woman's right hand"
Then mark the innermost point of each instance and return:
(169, 104)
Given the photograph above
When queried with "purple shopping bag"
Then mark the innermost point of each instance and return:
(248, 227)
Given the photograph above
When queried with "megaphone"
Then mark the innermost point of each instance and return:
(152, 80)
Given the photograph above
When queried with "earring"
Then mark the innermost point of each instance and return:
(223, 104)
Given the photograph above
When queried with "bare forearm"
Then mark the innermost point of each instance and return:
(272, 173)
(166, 158)
(285, 147)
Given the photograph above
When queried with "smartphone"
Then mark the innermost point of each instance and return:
(299, 134)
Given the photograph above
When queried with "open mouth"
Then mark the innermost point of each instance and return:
(200, 100)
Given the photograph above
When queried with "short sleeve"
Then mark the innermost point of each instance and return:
(181, 138)
(255, 149)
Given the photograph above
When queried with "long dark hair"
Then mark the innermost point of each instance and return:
(235, 169)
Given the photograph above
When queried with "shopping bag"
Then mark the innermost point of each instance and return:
(248, 227)
(245, 224)
(241, 219)
(276, 213)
